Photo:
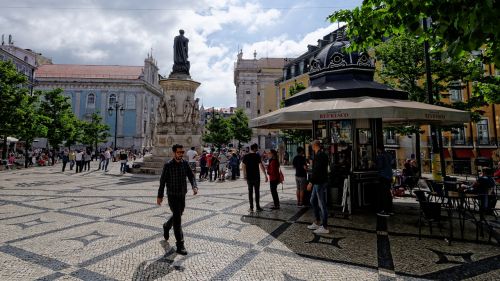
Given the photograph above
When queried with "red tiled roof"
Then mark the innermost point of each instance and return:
(88, 71)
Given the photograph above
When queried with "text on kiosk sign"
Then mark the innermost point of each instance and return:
(334, 115)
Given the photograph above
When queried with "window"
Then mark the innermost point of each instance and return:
(112, 100)
(145, 126)
(91, 100)
(247, 92)
(258, 111)
(283, 93)
(458, 136)
(390, 137)
(258, 93)
(130, 102)
(248, 104)
(26, 58)
(455, 95)
(482, 132)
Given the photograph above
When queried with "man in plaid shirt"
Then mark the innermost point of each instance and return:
(173, 177)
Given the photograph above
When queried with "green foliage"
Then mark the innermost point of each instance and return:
(298, 136)
(295, 88)
(95, 131)
(219, 132)
(239, 127)
(32, 122)
(462, 25)
(62, 123)
(13, 94)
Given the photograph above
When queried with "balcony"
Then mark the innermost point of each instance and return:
(391, 141)
(485, 141)
(461, 141)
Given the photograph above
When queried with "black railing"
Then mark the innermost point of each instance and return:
(461, 141)
(485, 141)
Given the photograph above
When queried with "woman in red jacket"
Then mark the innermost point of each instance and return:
(273, 170)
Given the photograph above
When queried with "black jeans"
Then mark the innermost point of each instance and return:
(384, 195)
(176, 204)
(254, 185)
(64, 165)
(215, 170)
(274, 192)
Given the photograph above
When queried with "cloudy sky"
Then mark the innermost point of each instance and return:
(123, 32)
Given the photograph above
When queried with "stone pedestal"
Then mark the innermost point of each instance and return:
(178, 121)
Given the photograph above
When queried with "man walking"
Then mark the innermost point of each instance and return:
(173, 177)
(107, 157)
(251, 164)
(384, 162)
(318, 184)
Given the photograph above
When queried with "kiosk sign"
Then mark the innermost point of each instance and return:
(335, 115)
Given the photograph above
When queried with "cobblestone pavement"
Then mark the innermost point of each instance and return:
(95, 226)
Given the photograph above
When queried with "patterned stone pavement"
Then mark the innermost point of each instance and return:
(95, 226)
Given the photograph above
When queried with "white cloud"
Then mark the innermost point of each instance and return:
(105, 36)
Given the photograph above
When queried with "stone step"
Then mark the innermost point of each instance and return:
(150, 171)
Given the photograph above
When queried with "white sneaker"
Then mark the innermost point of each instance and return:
(313, 226)
(321, 230)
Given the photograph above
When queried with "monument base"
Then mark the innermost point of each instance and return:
(179, 126)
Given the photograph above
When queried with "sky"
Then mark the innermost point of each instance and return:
(123, 32)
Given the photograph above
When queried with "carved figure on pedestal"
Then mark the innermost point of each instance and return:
(195, 115)
(188, 107)
(172, 105)
(162, 107)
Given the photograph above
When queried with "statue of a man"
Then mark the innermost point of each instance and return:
(162, 107)
(188, 107)
(172, 106)
(181, 63)
(195, 115)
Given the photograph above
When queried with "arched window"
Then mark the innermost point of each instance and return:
(91, 100)
(248, 104)
(130, 102)
(112, 100)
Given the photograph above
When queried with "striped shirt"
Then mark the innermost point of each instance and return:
(173, 177)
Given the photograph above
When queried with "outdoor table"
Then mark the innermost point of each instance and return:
(456, 201)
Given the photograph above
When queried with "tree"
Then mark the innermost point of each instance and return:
(32, 122)
(218, 131)
(61, 124)
(95, 132)
(13, 92)
(239, 127)
(463, 25)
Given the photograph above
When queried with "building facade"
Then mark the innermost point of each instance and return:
(25, 60)
(97, 88)
(255, 91)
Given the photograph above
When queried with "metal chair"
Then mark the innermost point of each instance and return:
(430, 212)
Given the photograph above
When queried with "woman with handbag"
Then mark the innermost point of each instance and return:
(273, 170)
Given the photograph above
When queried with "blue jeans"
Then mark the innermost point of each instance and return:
(318, 202)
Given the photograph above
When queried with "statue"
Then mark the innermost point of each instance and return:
(162, 107)
(188, 107)
(195, 115)
(181, 63)
(172, 105)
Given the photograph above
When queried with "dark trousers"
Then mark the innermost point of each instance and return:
(79, 166)
(71, 164)
(234, 170)
(215, 170)
(384, 196)
(64, 165)
(176, 204)
(254, 185)
(274, 192)
(87, 165)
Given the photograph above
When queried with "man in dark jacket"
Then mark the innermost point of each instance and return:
(318, 185)
(173, 177)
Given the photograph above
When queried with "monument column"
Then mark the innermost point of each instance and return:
(178, 111)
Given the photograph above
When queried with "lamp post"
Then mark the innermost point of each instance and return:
(115, 107)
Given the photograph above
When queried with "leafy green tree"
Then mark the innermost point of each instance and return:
(219, 132)
(13, 92)
(61, 124)
(462, 25)
(95, 131)
(239, 127)
(32, 122)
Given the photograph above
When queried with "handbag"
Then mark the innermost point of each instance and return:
(282, 177)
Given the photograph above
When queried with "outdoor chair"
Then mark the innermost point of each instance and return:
(431, 213)
(436, 189)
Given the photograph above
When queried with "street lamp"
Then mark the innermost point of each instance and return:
(115, 107)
